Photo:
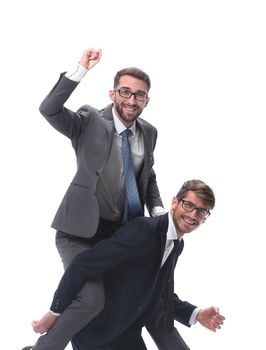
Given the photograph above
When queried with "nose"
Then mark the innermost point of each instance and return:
(132, 99)
(194, 213)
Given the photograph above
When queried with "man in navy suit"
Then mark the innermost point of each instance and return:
(137, 264)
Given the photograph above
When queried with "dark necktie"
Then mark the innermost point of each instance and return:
(132, 206)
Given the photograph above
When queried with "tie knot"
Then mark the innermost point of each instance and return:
(126, 133)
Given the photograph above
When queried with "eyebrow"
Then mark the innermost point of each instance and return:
(207, 209)
(128, 88)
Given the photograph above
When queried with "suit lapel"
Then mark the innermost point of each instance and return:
(107, 117)
(163, 231)
(148, 159)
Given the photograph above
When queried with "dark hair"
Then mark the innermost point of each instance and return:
(133, 72)
(200, 188)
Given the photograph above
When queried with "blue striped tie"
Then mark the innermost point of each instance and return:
(132, 202)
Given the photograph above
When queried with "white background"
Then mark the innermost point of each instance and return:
(206, 60)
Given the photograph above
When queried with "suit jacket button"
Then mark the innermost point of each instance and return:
(140, 309)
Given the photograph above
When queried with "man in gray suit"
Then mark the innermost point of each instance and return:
(93, 206)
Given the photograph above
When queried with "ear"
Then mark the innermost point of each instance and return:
(147, 101)
(174, 202)
(112, 95)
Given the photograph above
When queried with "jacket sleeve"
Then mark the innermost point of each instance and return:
(153, 193)
(183, 310)
(64, 120)
(129, 242)
(153, 198)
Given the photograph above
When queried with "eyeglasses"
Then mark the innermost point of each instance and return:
(200, 212)
(126, 93)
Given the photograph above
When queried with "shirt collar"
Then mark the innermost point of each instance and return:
(171, 232)
(119, 126)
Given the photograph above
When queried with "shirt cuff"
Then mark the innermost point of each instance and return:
(55, 313)
(156, 211)
(78, 74)
(193, 317)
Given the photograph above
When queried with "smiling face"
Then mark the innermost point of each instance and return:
(187, 221)
(129, 109)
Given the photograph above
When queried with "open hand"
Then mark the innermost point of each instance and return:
(210, 318)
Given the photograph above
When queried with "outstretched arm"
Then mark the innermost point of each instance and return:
(53, 108)
(210, 318)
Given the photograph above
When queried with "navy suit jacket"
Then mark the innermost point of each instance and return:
(136, 287)
(91, 132)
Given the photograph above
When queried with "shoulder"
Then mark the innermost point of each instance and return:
(87, 109)
(104, 113)
(94, 115)
(144, 124)
(147, 223)
(139, 230)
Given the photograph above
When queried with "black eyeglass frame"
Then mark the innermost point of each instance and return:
(138, 95)
(204, 212)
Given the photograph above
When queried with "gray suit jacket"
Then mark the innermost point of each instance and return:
(91, 132)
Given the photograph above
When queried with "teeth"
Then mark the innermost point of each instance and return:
(129, 107)
(191, 222)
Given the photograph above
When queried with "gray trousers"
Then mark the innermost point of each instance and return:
(87, 305)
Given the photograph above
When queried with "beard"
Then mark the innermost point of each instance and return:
(127, 118)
